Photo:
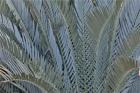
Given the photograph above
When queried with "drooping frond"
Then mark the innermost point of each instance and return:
(116, 74)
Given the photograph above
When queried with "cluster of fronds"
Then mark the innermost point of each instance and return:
(69, 46)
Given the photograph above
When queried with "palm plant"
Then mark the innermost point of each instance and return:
(69, 46)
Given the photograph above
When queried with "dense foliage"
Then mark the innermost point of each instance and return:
(69, 46)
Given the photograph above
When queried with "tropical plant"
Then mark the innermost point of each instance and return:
(69, 46)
